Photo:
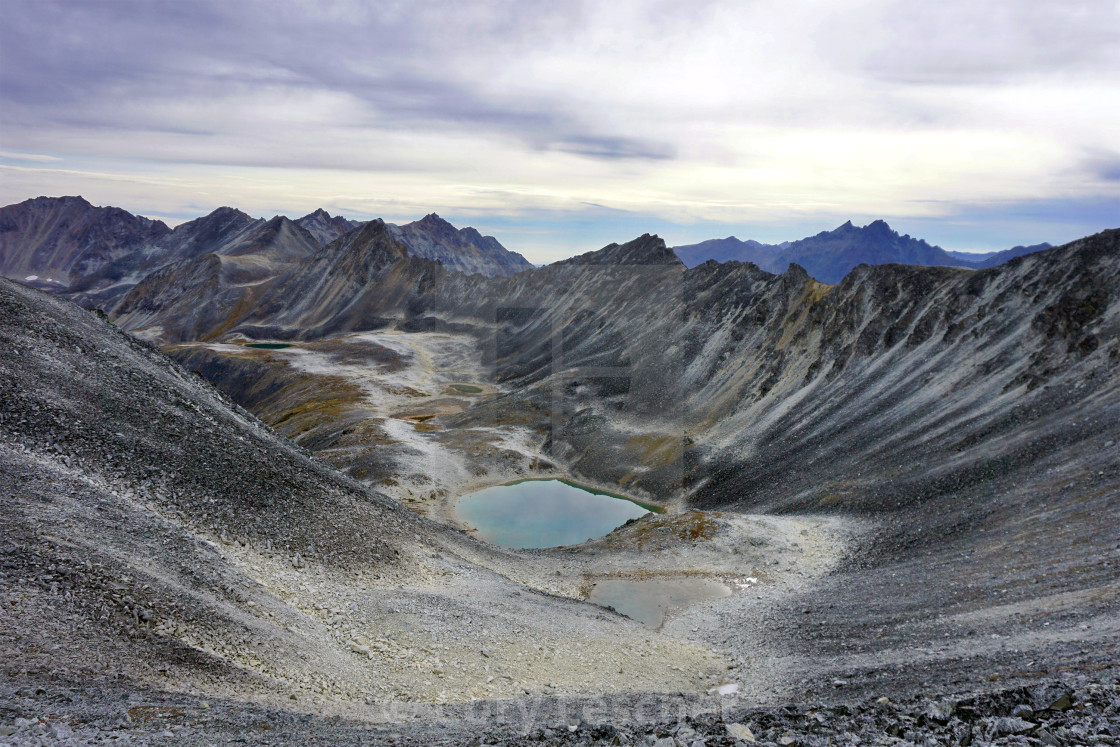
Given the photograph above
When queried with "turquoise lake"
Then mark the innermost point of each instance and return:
(544, 513)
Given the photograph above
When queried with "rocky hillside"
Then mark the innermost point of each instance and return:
(782, 392)
(459, 250)
(326, 227)
(904, 475)
(748, 388)
(830, 255)
(55, 241)
(96, 256)
(196, 295)
(360, 281)
(177, 546)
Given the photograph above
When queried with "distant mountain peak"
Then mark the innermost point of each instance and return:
(647, 249)
(325, 227)
(829, 255)
(64, 239)
(74, 199)
(225, 212)
(459, 250)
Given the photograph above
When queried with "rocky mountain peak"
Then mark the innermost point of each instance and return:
(432, 220)
(647, 249)
(879, 227)
(797, 272)
(225, 212)
(324, 226)
(60, 239)
(434, 225)
(77, 200)
(459, 250)
(375, 238)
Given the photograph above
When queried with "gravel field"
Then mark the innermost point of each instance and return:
(174, 570)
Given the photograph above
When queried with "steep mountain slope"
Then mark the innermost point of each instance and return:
(133, 483)
(224, 228)
(199, 293)
(973, 416)
(741, 362)
(935, 448)
(59, 240)
(162, 543)
(460, 250)
(360, 281)
(830, 255)
(325, 227)
(968, 419)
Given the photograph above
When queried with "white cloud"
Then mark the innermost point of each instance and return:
(34, 157)
(700, 112)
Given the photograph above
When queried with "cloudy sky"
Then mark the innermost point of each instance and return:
(562, 126)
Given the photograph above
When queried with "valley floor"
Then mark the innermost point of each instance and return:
(440, 633)
(779, 568)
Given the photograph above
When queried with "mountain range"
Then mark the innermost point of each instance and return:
(903, 479)
(830, 255)
(98, 254)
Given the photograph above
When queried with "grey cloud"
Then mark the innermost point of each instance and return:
(612, 147)
(74, 64)
(1106, 166)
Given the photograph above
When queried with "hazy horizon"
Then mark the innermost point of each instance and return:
(560, 129)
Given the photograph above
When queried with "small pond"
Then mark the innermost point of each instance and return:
(466, 389)
(545, 513)
(648, 600)
(268, 345)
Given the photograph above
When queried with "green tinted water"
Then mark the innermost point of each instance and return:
(545, 513)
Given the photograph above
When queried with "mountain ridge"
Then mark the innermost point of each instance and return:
(62, 239)
(96, 255)
(460, 250)
(910, 439)
(830, 255)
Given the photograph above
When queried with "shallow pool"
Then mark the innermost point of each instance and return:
(648, 600)
(545, 513)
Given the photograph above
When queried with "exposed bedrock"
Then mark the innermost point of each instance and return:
(971, 416)
(158, 538)
(936, 448)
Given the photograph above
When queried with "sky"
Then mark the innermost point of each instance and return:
(560, 127)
